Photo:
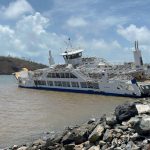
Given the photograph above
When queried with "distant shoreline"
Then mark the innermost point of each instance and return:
(10, 65)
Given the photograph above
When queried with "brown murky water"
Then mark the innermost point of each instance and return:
(26, 112)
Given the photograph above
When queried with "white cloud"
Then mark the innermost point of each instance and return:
(76, 22)
(110, 50)
(109, 21)
(142, 34)
(30, 38)
(16, 9)
(132, 33)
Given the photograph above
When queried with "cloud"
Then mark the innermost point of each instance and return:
(109, 21)
(30, 38)
(110, 50)
(132, 33)
(142, 34)
(16, 9)
(76, 22)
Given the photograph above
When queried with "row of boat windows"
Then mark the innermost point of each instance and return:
(61, 75)
(67, 84)
(73, 56)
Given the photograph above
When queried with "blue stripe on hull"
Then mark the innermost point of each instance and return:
(81, 91)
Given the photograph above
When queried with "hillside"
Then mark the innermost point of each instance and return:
(9, 65)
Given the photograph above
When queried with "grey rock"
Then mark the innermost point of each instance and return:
(108, 135)
(118, 148)
(68, 138)
(39, 142)
(142, 127)
(114, 142)
(133, 121)
(111, 121)
(104, 147)
(96, 134)
(134, 137)
(117, 135)
(118, 130)
(78, 135)
(102, 143)
(94, 148)
(56, 147)
(123, 146)
(145, 142)
(81, 147)
(69, 146)
(91, 120)
(132, 146)
(22, 148)
(124, 128)
(142, 108)
(55, 139)
(125, 138)
(14, 147)
(86, 144)
(125, 111)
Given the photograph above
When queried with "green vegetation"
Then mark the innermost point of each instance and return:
(9, 65)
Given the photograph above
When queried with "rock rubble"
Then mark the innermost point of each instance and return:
(127, 129)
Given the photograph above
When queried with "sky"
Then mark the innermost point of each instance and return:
(103, 28)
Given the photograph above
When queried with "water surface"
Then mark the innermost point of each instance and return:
(27, 112)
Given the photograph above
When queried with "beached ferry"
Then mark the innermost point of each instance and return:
(90, 75)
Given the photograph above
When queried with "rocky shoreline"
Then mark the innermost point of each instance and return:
(128, 128)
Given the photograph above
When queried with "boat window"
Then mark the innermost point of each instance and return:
(39, 82)
(35, 82)
(83, 84)
(75, 84)
(53, 75)
(89, 84)
(50, 83)
(58, 83)
(62, 75)
(73, 56)
(49, 75)
(37, 74)
(95, 86)
(67, 75)
(68, 84)
(65, 84)
(72, 75)
(92, 85)
(57, 75)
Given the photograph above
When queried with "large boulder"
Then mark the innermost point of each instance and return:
(96, 134)
(142, 108)
(108, 136)
(125, 111)
(111, 121)
(142, 127)
(78, 135)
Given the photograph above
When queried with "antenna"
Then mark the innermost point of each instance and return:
(68, 43)
(137, 45)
